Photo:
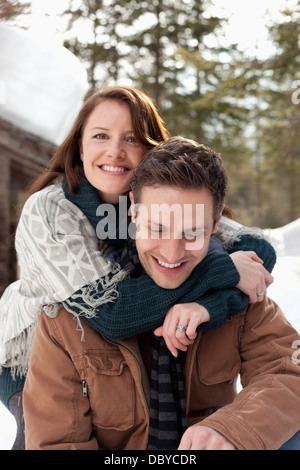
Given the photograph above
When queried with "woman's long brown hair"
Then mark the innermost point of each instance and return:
(148, 128)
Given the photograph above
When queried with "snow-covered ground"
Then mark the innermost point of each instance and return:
(285, 291)
(7, 428)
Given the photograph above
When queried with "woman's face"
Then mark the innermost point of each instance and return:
(108, 149)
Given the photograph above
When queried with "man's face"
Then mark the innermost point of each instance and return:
(174, 227)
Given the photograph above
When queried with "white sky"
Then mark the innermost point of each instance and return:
(248, 21)
(247, 25)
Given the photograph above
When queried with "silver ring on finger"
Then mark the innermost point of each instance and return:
(181, 328)
(261, 294)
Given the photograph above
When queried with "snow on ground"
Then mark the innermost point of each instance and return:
(7, 428)
(284, 291)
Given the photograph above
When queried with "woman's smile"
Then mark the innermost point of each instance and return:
(115, 170)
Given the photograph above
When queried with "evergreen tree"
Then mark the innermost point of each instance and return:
(103, 51)
(137, 41)
(281, 124)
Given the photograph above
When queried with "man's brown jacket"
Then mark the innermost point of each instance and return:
(94, 394)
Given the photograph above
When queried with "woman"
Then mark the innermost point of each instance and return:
(62, 260)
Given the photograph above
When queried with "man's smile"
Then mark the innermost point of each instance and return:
(168, 268)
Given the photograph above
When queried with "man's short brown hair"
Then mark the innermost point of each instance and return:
(182, 163)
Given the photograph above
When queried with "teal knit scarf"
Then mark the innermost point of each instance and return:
(87, 199)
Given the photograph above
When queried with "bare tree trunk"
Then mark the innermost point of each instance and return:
(292, 196)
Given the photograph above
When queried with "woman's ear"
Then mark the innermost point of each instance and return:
(80, 149)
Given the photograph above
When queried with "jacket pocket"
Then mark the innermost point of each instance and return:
(110, 389)
(218, 356)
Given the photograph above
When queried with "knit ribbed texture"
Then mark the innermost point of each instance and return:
(9, 385)
(262, 248)
(231, 301)
(88, 200)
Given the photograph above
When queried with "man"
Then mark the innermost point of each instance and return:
(95, 394)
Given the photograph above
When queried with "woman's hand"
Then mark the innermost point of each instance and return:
(189, 316)
(254, 278)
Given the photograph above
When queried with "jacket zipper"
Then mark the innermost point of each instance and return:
(241, 333)
(84, 388)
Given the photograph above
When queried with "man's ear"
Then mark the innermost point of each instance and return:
(132, 207)
(215, 229)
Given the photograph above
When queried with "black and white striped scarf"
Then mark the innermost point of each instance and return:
(167, 398)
